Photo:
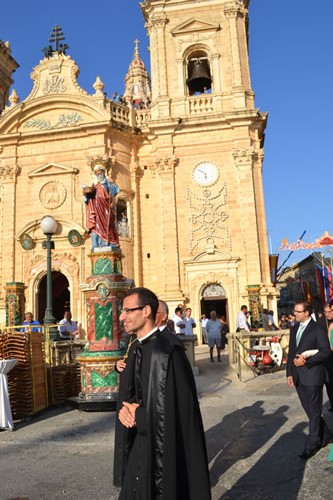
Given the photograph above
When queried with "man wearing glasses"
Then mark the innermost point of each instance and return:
(308, 350)
(160, 449)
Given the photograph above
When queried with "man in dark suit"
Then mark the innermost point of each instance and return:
(306, 371)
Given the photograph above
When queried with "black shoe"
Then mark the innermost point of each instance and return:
(212, 360)
(308, 454)
(219, 359)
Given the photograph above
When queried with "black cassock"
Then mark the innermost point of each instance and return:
(164, 457)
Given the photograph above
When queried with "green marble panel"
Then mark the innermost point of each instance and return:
(83, 381)
(109, 381)
(102, 266)
(103, 321)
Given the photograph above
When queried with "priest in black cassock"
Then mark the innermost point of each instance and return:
(160, 448)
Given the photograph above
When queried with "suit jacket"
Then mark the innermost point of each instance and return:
(313, 372)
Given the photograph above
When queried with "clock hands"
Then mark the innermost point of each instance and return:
(203, 172)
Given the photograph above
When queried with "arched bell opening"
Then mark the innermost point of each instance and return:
(199, 79)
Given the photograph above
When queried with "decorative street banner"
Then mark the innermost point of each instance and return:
(323, 241)
(324, 278)
(273, 264)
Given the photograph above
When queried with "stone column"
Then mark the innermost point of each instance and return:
(8, 175)
(166, 170)
(232, 12)
(14, 303)
(159, 27)
(248, 217)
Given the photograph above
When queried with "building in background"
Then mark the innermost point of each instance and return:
(310, 279)
(186, 150)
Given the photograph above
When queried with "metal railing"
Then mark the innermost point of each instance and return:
(240, 345)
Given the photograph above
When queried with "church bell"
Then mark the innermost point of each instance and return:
(199, 79)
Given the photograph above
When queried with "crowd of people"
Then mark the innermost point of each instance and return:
(134, 103)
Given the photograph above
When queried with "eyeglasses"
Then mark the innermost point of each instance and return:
(298, 311)
(128, 310)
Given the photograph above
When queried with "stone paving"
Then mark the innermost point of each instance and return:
(254, 430)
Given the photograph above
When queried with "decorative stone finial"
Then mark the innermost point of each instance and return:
(13, 98)
(7, 44)
(98, 86)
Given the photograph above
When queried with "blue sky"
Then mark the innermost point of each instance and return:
(292, 76)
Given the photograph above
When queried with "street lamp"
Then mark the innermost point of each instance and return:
(49, 226)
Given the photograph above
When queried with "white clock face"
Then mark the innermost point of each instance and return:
(205, 173)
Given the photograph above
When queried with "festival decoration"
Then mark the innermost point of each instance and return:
(323, 241)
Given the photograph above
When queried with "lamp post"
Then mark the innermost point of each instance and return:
(49, 226)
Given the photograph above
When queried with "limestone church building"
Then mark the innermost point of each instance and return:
(185, 148)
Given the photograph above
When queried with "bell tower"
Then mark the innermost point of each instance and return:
(204, 167)
(198, 47)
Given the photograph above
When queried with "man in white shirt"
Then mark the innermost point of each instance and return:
(179, 321)
(68, 329)
(203, 323)
(241, 320)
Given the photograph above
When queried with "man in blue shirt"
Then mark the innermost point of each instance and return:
(29, 321)
(189, 322)
(214, 333)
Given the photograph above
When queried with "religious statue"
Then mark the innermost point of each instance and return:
(99, 199)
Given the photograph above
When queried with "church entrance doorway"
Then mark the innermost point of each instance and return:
(60, 294)
(213, 298)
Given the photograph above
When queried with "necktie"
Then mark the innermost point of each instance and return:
(137, 373)
(299, 333)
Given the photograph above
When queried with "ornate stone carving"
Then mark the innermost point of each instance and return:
(52, 195)
(8, 172)
(207, 217)
(54, 85)
(213, 290)
(63, 121)
(165, 165)
(65, 263)
(233, 11)
(244, 156)
(159, 21)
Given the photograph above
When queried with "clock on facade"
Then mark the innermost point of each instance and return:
(205, 173)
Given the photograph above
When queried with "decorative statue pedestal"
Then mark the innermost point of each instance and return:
(103, 292)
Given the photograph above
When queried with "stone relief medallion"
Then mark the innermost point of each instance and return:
(102, 292)
(26, 242)
(52, 195)
(74, 238)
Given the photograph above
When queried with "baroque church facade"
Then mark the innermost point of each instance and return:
(186, 151)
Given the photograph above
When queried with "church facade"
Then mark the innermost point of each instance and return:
(186, 150)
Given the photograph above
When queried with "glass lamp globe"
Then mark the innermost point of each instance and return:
(48, 225)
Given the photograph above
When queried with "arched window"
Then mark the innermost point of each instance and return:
(122, 217)
(199, 79)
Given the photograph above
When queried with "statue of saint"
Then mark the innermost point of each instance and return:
(100, 214)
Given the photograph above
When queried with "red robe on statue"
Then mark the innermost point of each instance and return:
(101, 215)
